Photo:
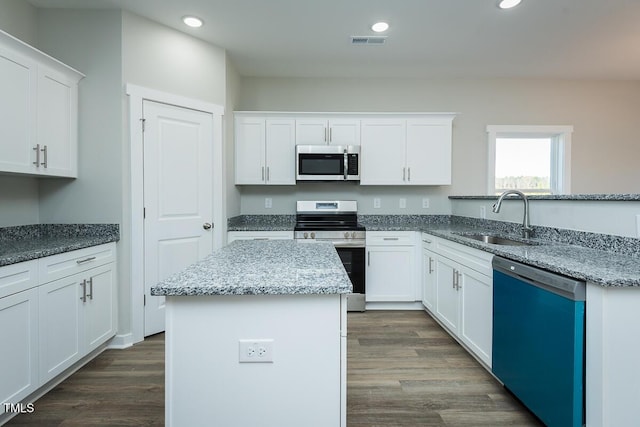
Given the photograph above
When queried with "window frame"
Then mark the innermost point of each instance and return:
(560, 180)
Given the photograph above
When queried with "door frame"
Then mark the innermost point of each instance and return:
(138, 94)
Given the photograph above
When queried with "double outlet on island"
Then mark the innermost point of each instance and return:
(256, 351)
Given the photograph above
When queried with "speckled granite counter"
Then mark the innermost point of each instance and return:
(261, 223)
(603, 259)
(274, 267)
(27, 242)
(576, 197)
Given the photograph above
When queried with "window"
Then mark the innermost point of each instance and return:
(532, 159)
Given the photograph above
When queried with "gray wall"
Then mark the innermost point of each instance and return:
(604, 115)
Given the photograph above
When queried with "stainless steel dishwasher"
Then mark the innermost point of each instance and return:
(538, 340)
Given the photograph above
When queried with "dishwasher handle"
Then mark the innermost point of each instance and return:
(567, 287)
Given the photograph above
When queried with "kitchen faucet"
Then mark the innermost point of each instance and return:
(526, 227)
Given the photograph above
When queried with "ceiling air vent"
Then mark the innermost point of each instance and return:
(362, 40)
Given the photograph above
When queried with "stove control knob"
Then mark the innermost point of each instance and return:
(346, 234)
(306, 235)
(353, 234)
(313, 235)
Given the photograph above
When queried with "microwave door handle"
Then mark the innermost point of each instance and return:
(346, 164)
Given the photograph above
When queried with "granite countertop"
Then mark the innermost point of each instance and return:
(27, 242)
(261, 223)
(262, 267)
(602, 259)
(602, 267)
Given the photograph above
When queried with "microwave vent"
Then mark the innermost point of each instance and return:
(364, 40)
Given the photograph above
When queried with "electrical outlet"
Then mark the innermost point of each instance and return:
(256, 351)
(425, 203)
(638, 225)
(268, 202)
(403, 203)
(376, 203)
(483, 212)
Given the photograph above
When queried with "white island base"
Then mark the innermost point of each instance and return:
(305, 385)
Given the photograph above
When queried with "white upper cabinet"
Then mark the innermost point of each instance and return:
(407, 151)
(264, 151)
(323, 131)
(38, 112)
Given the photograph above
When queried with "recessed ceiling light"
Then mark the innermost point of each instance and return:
(380, 27)
(508, 4)
(192, 21)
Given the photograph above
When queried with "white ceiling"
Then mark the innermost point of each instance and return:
(593, 39)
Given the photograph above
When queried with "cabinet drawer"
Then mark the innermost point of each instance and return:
(428, 241)
(18, 277)
(259, 235)
(390, 238)
(475, 259)
(62, 265)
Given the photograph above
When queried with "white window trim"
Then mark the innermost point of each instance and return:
(560, 157)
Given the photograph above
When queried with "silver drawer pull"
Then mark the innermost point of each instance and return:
(82, 261)
(390, 238)
(427, 241)
(260, 238)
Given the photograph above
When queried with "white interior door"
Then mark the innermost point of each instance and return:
(178, 197)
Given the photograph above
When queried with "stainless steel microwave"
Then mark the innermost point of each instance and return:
(328, 163)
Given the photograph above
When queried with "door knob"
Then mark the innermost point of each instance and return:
(207, 226)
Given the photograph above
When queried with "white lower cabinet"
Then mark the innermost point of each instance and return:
(19, 338)
(460, 280)
(77, 314)
(259, 235)
(53, 312)
(390, 267)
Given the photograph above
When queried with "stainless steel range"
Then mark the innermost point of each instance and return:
(337, 221)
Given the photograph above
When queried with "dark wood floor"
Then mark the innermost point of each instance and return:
(403, 370)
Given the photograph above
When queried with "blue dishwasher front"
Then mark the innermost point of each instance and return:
(538, 340)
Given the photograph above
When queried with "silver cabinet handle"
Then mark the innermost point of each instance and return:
(90, 288)
(404, 174)
(37, 150)
(430, 265)
(368, 258)
(263, 173)
(260, 238)
(453, 281)
(84, 291)
(268, 174)
(82, 261)
(325, 135)
(330, 135)
(207, 226)
(45, 163)
(390, 238)
(408, 174)
(427, 241)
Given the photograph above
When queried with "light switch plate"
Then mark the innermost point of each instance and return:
(268, 202)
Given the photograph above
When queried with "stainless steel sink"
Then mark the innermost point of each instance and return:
(496, 240)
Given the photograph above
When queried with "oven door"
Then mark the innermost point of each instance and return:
(353, 261)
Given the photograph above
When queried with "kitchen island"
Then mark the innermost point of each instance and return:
(256, 335)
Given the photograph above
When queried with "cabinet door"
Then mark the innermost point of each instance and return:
(57, 123)
(429, 276)
(447, 295)
(19, 338)
(383, 152)
(250, 150)
(280, 152)
(428, 153)
(100, 306)
(59, 322)
(477, 310)
(18, 77)
(389, 274)
(344, 132)
(312, 132)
